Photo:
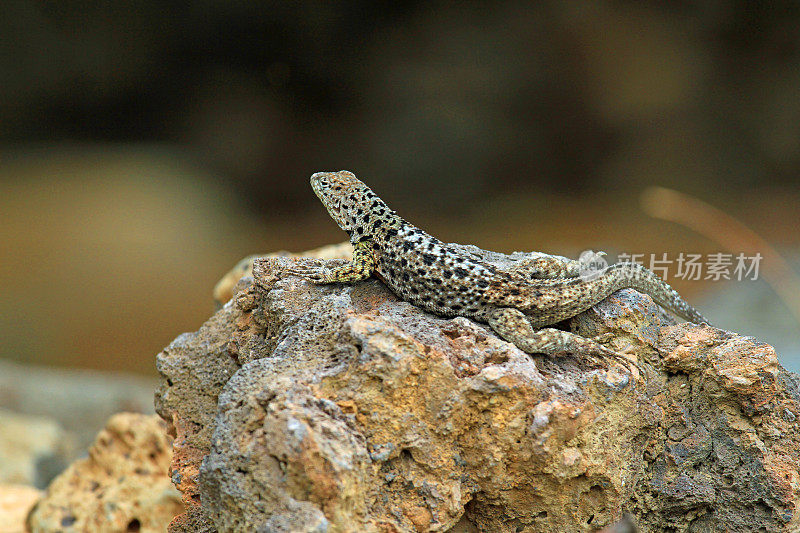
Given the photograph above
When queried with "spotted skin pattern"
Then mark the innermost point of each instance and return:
(446, 280)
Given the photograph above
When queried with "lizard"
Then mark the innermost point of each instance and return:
(517, 302)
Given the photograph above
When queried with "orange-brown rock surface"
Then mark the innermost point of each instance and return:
(339, 408)
(122, 486)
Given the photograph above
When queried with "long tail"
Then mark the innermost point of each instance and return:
(636, 276)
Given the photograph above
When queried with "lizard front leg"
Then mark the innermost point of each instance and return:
(514, 326)
(361, 267)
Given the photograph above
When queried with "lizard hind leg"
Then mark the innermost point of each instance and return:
(512, 325)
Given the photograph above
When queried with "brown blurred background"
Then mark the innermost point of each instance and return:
(147, 146)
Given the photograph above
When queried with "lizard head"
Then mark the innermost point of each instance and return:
(353, 205)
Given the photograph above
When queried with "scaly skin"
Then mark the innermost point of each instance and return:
(445, 280)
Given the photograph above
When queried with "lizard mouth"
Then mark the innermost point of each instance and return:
(327, 186)
(319, 183)
(334, 209)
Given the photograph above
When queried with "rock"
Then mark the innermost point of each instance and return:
(339, 408)
(195, 367)
(122, 486)
(33, 450)
(15, 503)
(187, 398)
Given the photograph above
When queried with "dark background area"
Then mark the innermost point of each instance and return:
(146, 146)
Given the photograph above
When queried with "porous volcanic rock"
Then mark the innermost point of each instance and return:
(122, 486)
(338, 408)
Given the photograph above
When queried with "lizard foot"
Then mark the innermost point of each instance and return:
(621, 359)
(514, 326)
(603, 338)
(314, 274)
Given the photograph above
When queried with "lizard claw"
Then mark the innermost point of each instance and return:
(629, 364)
(312, 274)
(620, 358)
(603, 338)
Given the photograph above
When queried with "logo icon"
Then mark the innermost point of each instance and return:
(593, 264)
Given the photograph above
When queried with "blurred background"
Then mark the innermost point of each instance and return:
(145, 147)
